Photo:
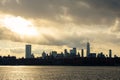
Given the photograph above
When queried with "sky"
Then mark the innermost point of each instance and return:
(58, 24)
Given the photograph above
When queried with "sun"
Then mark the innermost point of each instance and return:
(19, 25)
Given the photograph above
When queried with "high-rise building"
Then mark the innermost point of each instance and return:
(54, 54)
(44, 55)
(78, 54)
(82, 52)
(73, 52)
(88, 49)
(101, 55)
(110, 53)
(66, 54)
(28, 51)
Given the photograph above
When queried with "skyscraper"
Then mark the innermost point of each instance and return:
(44, 55)
(28, 51)
(88, 49)
(82, 52)
(66, 53)
(73, 52)
(110, 53)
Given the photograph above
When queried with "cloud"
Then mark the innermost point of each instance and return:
(3, 2)
(66, 11)
(116, 27)
(7, 34)
(17, 50)
(66, 22)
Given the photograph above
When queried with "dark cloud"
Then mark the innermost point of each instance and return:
(110, 6)
(71, 41)
(77, 40)
(80, 40)
(6, 34)
(80, 11)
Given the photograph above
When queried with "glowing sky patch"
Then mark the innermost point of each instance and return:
(19, 25)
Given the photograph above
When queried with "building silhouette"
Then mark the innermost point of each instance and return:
(44, 55)
(32, 55)
(28, 51)
(100, 55)
(82, 52)
(66, 54)
(92, 55)
(110, 53)
(54, 54)
(64, 58)
(88, 49)
(73, 52)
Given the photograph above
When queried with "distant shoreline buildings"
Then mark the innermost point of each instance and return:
(66, 58)
(72, 53)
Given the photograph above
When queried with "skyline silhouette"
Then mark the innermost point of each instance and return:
(71, 53)
(71, 58)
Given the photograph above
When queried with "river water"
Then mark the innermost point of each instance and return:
(59, 73)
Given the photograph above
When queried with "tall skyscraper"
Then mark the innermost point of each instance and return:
(74, 51)
(110, 53)
(28, 51)
(82, 52)
(44, 55)
(66, 53)
(88, 49)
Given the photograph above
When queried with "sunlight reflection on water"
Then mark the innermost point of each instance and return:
(58, 73)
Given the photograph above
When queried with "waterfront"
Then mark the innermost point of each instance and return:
(59, 73)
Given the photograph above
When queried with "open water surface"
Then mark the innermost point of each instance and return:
(59, 73)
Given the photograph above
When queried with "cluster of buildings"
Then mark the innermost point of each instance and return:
(72, 53)
(71, 57)
(100, 55)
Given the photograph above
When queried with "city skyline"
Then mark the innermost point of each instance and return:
(73, 52)
(68, 58)
(58, 25)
